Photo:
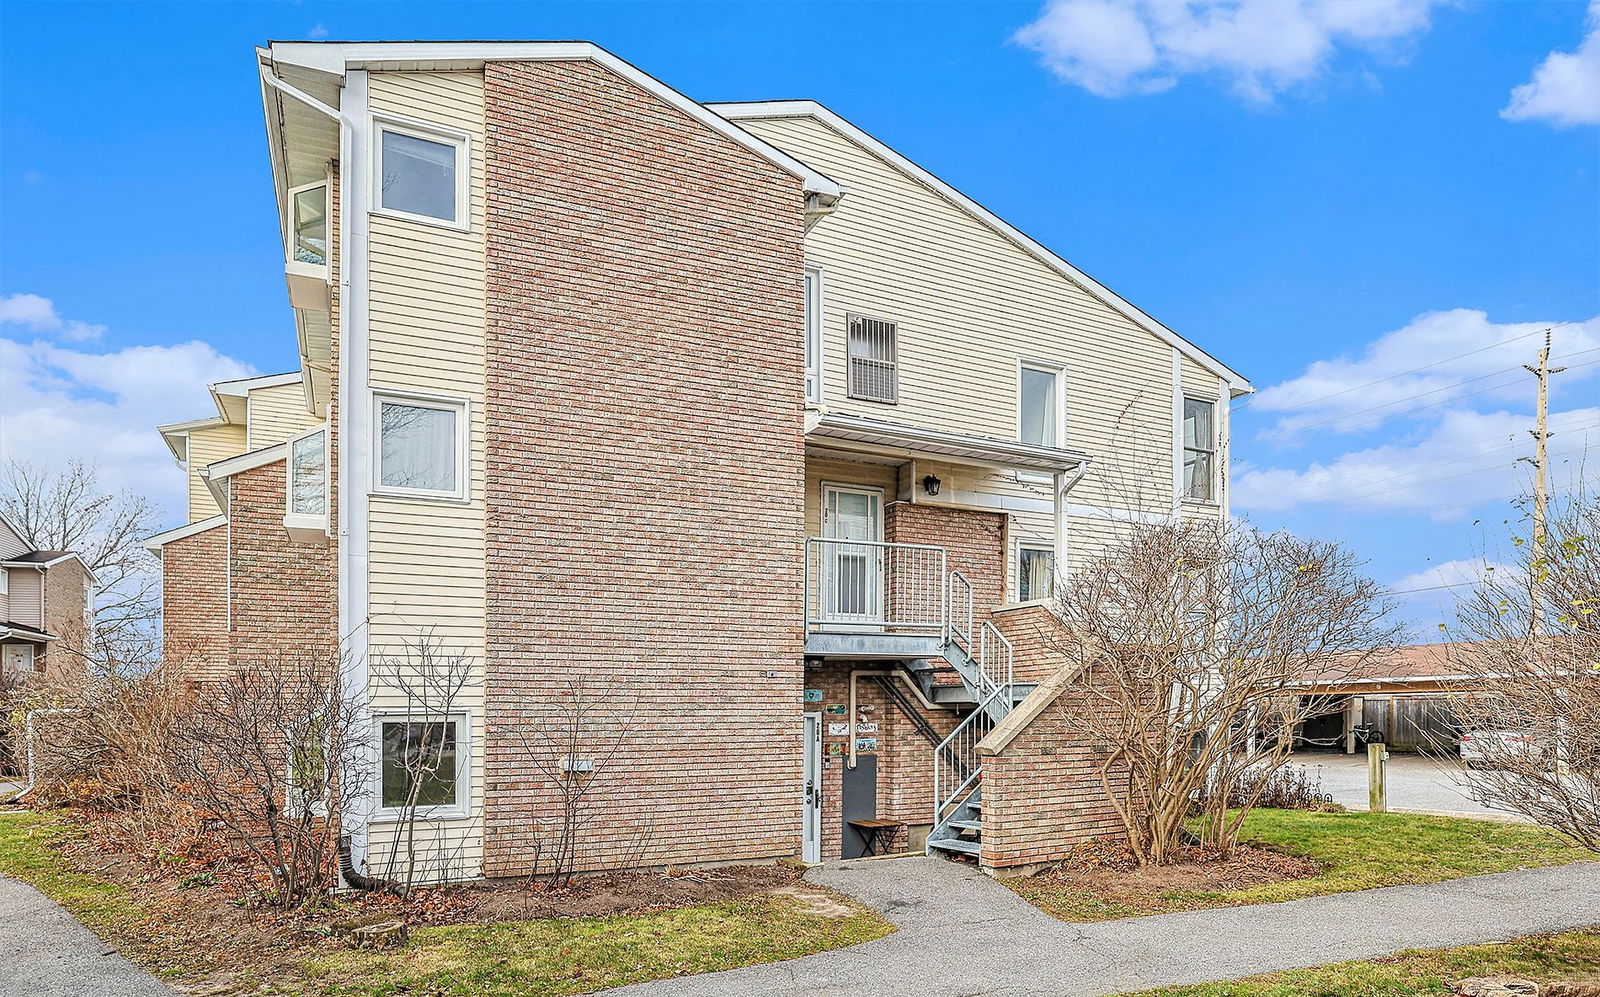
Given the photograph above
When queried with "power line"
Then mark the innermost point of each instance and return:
(1413, 484)
(1427, 366)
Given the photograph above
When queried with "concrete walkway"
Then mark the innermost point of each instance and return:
(962, 935)
(45, 953)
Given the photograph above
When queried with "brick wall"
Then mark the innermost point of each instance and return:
(975, 542)
(1037, 641)
(283, 601)
(194, 604)
(645, 470)
(1042, 793)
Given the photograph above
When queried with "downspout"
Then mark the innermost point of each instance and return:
(867, 673)
(353, 837)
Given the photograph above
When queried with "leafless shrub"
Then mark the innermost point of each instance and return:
(1287, 788)
(1198, 639)
(570, 742)
(1532, 686)
(419, 757)
(267, 756)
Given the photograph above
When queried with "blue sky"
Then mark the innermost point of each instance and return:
(1321, 194)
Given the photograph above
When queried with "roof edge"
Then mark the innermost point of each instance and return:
(335, 58)
(155, 543)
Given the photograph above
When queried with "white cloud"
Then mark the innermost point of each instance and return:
(1262, 47)
(318, 31)
(1463, 356)
(1565, 87)
(1468, 459)
(59, 403)
(38, 314)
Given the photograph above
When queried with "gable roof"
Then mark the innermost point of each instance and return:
(754, 110)
(334, 58)
(17, 531)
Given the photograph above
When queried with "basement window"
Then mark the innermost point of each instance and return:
(424, 765)
(420, 173)
(306, 486)
(872, 355)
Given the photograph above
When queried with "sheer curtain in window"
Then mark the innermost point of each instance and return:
(418, 447)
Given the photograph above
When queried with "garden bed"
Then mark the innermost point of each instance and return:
(1290, 854)
(192, 920)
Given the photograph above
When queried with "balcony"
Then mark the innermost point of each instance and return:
(872, 600)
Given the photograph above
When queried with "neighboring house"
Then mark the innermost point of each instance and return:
(729, 412)
(46, 600)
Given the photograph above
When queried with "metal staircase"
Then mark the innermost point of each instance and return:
(984, 660)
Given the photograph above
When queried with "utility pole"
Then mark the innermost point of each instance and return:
(1541, 437)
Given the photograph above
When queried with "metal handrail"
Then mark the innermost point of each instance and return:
(959, 601)
(856, 585)
(956, 768)
(996, 658)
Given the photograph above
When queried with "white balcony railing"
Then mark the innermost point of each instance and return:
(866, 586)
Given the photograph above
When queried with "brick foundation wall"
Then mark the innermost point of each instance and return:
(645, 472)
(194, 604)
(1042, 794)
(283, 601)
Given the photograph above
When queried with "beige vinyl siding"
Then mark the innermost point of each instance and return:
(26, 599)
(276, 414)
(426, 558)
(970, 304)
(208, 445)
(10, 544)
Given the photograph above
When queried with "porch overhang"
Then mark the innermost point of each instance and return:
(858, 434)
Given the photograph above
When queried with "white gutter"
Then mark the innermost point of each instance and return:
(354, 398)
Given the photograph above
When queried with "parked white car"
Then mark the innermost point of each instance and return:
(1486, 747)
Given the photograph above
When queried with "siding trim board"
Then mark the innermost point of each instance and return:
(736, 111)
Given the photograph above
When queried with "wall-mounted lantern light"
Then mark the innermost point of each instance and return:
(930, 484)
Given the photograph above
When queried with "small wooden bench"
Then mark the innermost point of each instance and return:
(873, 832)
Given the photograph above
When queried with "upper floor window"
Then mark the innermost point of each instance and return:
(1199, 450)
(5, 581)
(309, 238)
(422, 446)
(421, 173)
(871, 356)
(1039, 404)
(306, 484)
(813, 335)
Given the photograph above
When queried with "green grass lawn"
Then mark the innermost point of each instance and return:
(1572, 958)
(1357, 851)
(546, 957)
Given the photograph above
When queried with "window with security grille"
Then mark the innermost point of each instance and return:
(871, 356)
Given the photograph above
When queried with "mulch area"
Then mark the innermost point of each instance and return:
(1109, 871)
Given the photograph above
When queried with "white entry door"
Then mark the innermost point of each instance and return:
(811, 821)
(852, 573)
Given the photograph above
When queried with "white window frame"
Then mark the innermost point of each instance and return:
(305, 521)
(28, 667)
(813, 311)
(1058, 371)
(295, 804)
(5, 581)
(1215, 450)
(458, 404)
(1037, 546)
(464, 754)
(429, 132)
(289, 242)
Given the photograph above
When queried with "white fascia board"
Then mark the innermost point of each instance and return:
(46, 565)
(34, 636)
(155, 543)
(229, 466)
(735, 111)
(22, 536)
(172, 432)
(957, 447)
(337, 57)
(242, 386)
